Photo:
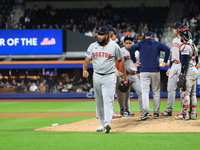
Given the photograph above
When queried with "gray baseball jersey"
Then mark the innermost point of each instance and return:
(104, 78)
(174, 72)
(133, 80)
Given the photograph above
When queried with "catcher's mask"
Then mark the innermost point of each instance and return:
(186, 35)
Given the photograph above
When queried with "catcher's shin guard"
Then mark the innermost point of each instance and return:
(185, 101)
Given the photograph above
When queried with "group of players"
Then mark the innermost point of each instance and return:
(138, 65)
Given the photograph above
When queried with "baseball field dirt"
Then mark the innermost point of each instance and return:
(130, 124)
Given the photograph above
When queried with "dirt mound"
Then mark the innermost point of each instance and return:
(130, 124)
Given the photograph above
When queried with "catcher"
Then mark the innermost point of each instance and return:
(188, 76)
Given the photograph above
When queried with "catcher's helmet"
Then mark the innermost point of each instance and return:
(186, 35)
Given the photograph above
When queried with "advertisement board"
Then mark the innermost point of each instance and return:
(33, 41)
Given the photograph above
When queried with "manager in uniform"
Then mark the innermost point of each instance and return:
(150, 70)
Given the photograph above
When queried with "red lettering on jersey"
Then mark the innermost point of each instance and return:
(176, 45)
(101, 54)
(127, 58)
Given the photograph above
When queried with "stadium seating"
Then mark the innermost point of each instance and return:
(155, 17)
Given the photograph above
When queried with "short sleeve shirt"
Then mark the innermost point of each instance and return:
(103, 57)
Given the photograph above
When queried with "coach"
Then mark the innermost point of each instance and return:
(150, 70)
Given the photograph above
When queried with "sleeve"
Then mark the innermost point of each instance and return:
(132, 51)
(166, 49)
(117, 65)
(118, 54)
(88, 53)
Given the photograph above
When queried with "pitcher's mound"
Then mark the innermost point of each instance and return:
(130, 124)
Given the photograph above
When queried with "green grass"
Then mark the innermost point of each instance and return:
(18, 134)
(88, 106)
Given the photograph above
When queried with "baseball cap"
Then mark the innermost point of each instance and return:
(111, 28)
(103, 30)
(176, 25)
(128, 38)
(149, 33)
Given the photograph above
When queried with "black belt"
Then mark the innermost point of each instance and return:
(132, 73)
(103, 73)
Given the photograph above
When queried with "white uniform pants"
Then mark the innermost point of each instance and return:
(153, 79)
(104, 89)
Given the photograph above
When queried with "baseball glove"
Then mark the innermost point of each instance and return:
(181, 81)
(124, 86)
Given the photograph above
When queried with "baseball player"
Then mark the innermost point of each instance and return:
(120, 96)
(189, 59)
(133, 78)
(113, 37)
(150, 70)
(174, 70)
(103, 54)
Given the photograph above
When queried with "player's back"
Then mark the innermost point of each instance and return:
(149, 55)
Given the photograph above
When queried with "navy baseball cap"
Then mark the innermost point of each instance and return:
(149, 33)
(176, 25)
(103, 30)
(128, 38)
(111, 28)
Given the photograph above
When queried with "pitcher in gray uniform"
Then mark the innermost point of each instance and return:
(103, 54)
(189, 59)
(132, 75)
(174, 70)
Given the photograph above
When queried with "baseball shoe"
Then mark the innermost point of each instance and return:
(156, 115)
(126, 113)
(107, 128)
(123, 113)
(145, 116)
(100, 129)
(193, 116)
(166, 113)
(130, 114)
(116, 116)
(182, 116)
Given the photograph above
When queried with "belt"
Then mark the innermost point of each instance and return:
(192, 59)
(131, 73)
(103, 73)
(176, 62)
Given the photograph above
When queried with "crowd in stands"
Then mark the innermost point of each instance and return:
(47, 85)
(134, 21)
(191, 18)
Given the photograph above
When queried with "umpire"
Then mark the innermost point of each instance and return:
(150, 70)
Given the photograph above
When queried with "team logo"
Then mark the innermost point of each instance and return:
(46, 41)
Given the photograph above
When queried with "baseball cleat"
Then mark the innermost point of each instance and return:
(193, 116)
(156, 115)
(182, 117)
(100, 129)
(145, 116)
(107, 128)
(116, 116)
(123, 112)
(126, 113)
(130, 114)
(166, 113)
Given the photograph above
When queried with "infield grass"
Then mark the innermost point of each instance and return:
(17, 133)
